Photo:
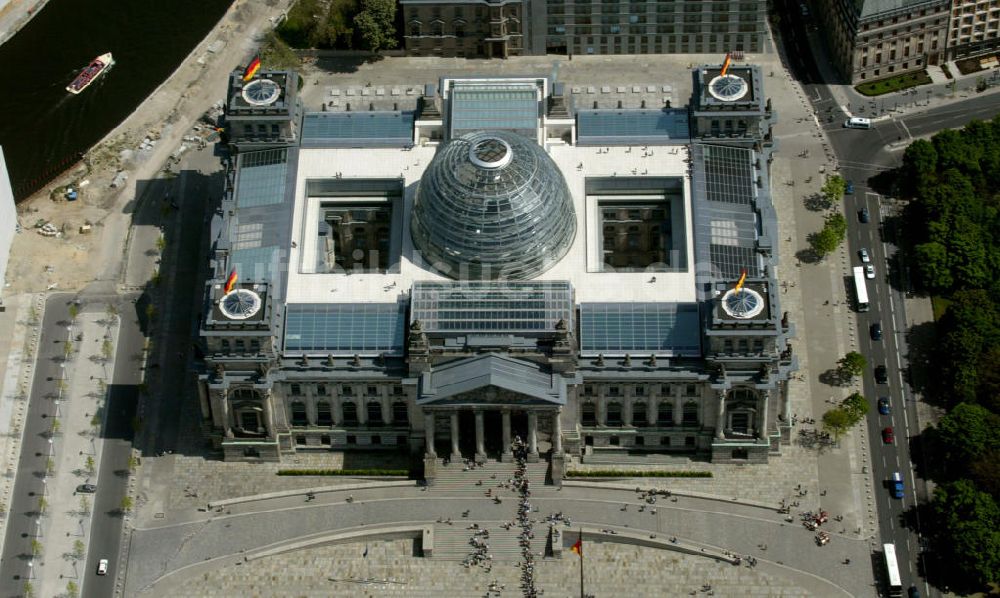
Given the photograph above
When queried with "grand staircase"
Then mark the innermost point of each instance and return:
(452, 478)
(451, 542)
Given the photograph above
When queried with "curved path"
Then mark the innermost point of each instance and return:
(185, 539)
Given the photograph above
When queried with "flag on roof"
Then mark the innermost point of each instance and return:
(231, 281)
(252, 69)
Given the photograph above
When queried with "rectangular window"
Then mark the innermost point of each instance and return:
(296, 389)
(372, 390)
(346, 391)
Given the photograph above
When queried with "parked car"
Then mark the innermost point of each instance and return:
(881, 375)
(849, 188)
(883, 405)
(863, 216)
(864, 255)
(86, 488)
(869, 271)
(887, 435)
(876, 331)
(102, 567)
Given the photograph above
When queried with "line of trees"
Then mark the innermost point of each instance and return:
(952, 232)
(341, 24)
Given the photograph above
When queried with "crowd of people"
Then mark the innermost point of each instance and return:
(520, 485)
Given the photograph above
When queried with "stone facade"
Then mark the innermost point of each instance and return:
(974, 28)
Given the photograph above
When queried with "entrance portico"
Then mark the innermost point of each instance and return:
(487, 401)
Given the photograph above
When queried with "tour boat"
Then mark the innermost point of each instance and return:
(95, 69)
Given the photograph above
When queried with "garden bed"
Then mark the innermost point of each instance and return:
(891, 84)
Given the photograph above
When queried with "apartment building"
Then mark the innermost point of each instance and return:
(974, 28)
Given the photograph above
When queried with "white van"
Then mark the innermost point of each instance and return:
(858, 123)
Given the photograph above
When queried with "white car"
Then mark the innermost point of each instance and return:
(869, 271)
(863, 253)
(102, 567)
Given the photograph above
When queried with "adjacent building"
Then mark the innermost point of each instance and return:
(974, 28)
(468, 260)
(497, 29)
(874, 39)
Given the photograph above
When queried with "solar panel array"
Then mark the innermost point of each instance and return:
(492, 307)
(493, 107)
(345, 328)
(635, 126)
(261, 178)
(665, 329)
(729, 174)
(354, 129)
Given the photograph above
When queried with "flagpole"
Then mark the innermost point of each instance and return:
(582, 595)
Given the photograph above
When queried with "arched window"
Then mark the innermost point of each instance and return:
(437, 28)
(374, 413)
(299, 417)
(324, 415)
(741, 409)
(400, 414)
(614, 416)
(588, 415)
(414, 28)
(350, 414)
(639, 414)
(665, 414)
(691, 413)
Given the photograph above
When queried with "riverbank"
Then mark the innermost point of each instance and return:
(77, 258)
(15, 14)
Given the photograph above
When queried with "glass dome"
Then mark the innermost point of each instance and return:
(492, 205)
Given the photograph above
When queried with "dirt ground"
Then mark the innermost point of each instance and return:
(67, 256)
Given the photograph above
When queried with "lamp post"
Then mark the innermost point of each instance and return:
(31, 569)
(51, 450)
(38, 528)
(45, 486)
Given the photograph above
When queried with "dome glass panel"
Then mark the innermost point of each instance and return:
(493, 205)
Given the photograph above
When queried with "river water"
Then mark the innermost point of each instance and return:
(43, 128)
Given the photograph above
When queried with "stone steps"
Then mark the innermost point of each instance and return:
(451, 542)
(622, 458)
(453, 479)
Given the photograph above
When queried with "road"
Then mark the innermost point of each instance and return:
(861, 155)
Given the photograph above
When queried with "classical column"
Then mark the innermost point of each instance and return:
(557, 432)
(362, 411)
(720, 420)
(386, 412)
(455, 453)
(480, 440)
(627, 412)
(678, 411)
(602, 412)
(652, 412)
(533, 434)
(429, 433)
(338, 411)
(268, 417)
(507, 453)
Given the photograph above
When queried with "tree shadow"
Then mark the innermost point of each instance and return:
(340, 64)
(833, 377)
(808, 256)
(816, 203)
(922, 340)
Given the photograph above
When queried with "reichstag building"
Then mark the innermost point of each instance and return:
(435, 269)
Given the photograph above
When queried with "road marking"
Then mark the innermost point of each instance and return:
(905, 128)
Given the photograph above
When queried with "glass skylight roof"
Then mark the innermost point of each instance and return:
(596, 127)
(357, 129)
(345, 328)
(665, 329)
(494, 107)
(729, 174)
(261, 178)
(492, 307)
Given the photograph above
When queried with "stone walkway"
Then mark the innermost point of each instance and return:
(609, 569)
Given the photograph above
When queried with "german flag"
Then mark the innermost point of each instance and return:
(252, 69)
(725, 65)
(578, 547)
(231, 281)
(743, 278)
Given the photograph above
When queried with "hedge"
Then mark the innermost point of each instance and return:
(618, 473)
(346, 472)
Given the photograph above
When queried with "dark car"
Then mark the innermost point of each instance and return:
(887, 435)
(86, 488)
(881, 375)
(883, 405)
(849, 188)
(913, 592)
(863, 215)
(876, 331)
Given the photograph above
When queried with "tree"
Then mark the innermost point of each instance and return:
(161, 243)
(88, 463)
(79, 548)
(276, 54)
(856, 406)
(107, 349)
(111, 311)
(68, 349)
(126, 504)
(919, 168)
(74, 311)
(833, 189)
(133, 462)
(29, 590)
(56, 426)
(852, 364)
(375, 23)
(967, 527)
(42, 504)
(50, 466)
(36, 547)
(830, 236)
(935, 271)
(72, 590)
(837, 421)
(966, 433)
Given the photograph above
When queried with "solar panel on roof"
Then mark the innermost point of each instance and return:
(345, 328)
(261, 178)
(666, 329)
(492, 308)
(729, 174)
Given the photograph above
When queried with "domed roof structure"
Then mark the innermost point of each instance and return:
(493, 205)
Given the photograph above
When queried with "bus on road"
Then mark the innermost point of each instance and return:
(894, 582)
(860, 289)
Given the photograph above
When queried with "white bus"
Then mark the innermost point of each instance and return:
(860, 289)
(895, 583)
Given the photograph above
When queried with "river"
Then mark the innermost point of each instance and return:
(43, 128)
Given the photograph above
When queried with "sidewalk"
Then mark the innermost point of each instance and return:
(15, 14)
(67, 519)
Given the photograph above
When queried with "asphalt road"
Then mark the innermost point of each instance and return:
(106, 521)
(28, 485)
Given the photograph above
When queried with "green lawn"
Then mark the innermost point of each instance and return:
(939, 305)
(890, 84)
